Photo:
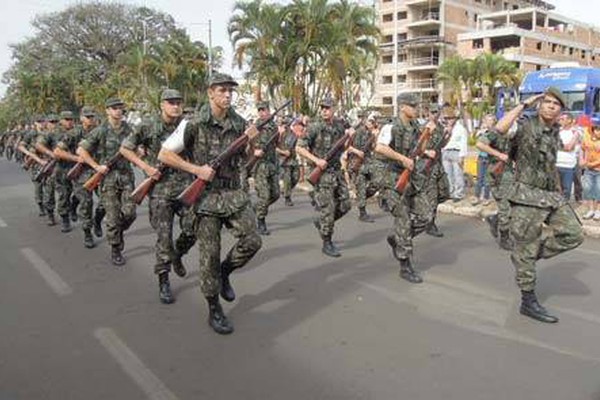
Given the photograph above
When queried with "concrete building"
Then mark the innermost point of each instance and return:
(418, 35)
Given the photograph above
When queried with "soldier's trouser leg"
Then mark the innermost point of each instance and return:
(366, 187)
(267, 190)
(421, 212)
(526, 230)
(333, 201)
(38, 189)
(120, 210)
(402, 230)
(291, 175)
(208, 234)
(187, 224)
(49, 196)
(86, 203)
(244, 176)
(64, 189)
(161, 214)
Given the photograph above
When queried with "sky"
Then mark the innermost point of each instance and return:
(193, 15)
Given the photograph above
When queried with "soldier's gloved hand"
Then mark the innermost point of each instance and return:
(205, 172)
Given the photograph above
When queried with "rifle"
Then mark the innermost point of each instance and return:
(91, 184)
(195, 189)
(76, 171)
(498, 170)
(404, 177)
(147, 184)
(45, 171)
(253, 160)
(356, 162)
(316, 173)
(29, 161)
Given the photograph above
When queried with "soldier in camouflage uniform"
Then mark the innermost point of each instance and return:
(116, 187)
(412, 209)
(438, 187)
(65, 150)
(500, 178)
(163, 204)
(331, 192)
(289, 161)
(223, 203)
(27, 147)
(266, 173)
(45, 144)
(535, 198)
(361, 167)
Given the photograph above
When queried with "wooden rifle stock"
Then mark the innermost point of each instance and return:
(142, 190)
(253, 160)
(404, 177)
(195, 189)
(45, 171)
(76, 171)
(91, 184)
(315, 175)
(356, 162)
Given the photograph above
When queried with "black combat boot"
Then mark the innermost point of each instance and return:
(98, 216)
(164, 289)
(289, 202)
(363, 216)
(116, 256)
(178, 267)
(261, 227)
(505, 242)
(433, 230)
(51, 219)
(88, 239)
(65, 225)
(492, 221)
(42, 212)
(408, 273)
(531, 308)
(216, 318)
(329, 248)
(227, 292)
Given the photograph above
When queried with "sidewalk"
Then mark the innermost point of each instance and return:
(464, 207)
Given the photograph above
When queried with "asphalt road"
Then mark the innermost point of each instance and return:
(307, 326)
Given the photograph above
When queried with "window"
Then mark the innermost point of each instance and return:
(387, 79)
(402, 36)
(388, 100)
(583, 54)
(538, 46)
(596, 100)
(388, 38)
(401, 78)
(478, 44)
(387, 17)
(402, 15)
(571, 51)
(554, 45)
(475, 15)
(386, 59)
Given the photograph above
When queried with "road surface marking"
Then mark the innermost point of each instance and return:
(133, 366)
(2, 223)
(56, 283)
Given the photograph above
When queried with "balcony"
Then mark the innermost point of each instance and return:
(422, 63)
(413, 3)
(419, 85)
(422, 41)
(425, 19)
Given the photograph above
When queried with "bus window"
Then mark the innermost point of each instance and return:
(596, 102)
(575, 100)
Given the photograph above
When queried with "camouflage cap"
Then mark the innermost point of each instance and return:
(113, 102)
(327, 102)
(88, 111)
(262, 104)
(66, 115)
(221, 79)
(52, 118)
(189, 110)
(39, 118)
(557, 94)
(407, 99)
(170, 94)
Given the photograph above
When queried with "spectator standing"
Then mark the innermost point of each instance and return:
(566, 158)
(482, 187)
(453, 157)
(590, 162)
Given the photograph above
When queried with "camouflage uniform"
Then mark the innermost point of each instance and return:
(500, 185)
(290, 168)
(535, 199)
(64, 186)
(331, 192)
(49, 139)
(223, 202)
(29, 141)
(412, 210)
(266, 177)
(363, 178)
(102, 143)
(163, 204)
(438, 187)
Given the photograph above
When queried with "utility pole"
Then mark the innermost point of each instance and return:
(210, 63)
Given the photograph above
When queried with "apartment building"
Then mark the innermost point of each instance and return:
(418, 35)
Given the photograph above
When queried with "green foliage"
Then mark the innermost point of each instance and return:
(306, 50)
(88, 52)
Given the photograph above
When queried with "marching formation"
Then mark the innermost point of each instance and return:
(198, 167)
